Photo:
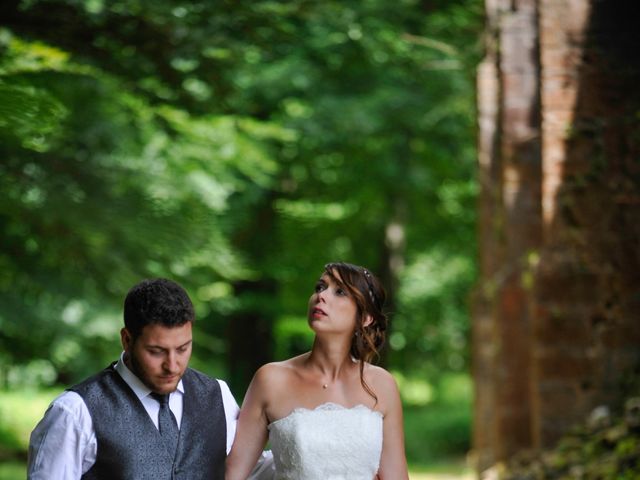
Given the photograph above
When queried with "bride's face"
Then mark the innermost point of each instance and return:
(331, 307)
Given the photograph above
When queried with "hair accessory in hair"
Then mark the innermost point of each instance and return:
(374, 298)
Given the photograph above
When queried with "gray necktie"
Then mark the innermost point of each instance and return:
(167, 423)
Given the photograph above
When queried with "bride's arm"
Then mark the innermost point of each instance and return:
(251, 434)
(393, 462)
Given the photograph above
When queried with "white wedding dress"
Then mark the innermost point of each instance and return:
(330, 442)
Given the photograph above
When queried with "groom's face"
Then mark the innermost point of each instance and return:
(159, 355)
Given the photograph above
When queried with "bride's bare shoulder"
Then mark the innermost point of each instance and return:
(279, 371)
(377, 374)
(382, 382)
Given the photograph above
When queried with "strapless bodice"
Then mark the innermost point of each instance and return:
(330, 442)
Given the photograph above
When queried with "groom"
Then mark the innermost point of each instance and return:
(147, 416)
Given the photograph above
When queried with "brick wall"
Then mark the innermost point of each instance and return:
(556, 327)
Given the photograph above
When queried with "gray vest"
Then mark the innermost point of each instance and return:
(130, 445)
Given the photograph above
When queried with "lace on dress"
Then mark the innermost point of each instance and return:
(330, 442)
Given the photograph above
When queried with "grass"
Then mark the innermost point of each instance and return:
(444, 469)
(12, 471)
(435, 432)
(19, 412)
(440, 429)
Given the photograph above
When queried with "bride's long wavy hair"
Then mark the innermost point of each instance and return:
(369, 296)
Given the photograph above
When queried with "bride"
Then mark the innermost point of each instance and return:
(328, 413)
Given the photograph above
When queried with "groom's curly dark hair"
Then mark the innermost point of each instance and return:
(156, 301)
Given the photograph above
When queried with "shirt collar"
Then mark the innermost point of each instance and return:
(139, 388)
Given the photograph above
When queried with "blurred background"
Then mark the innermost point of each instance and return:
(237, 147)
(481, 157)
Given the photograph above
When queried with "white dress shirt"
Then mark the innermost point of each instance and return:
(63, 445)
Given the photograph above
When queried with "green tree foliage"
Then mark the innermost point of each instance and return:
(236, 147)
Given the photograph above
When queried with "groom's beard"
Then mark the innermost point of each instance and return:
(159, 381)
